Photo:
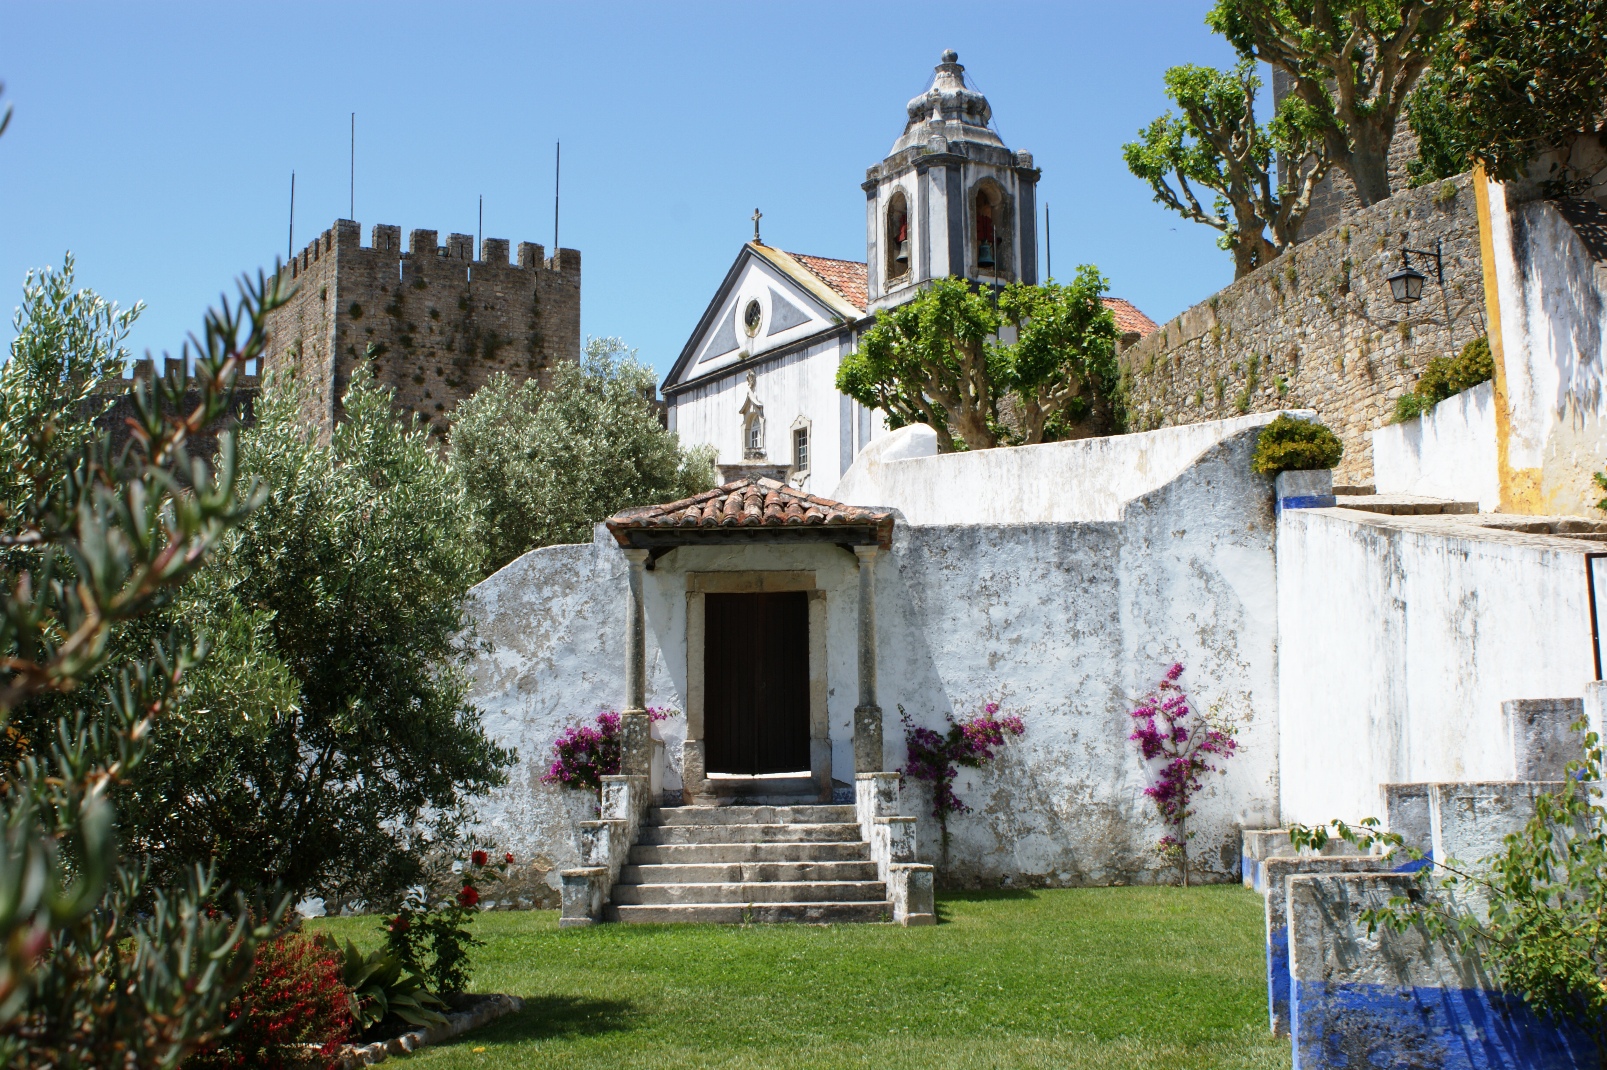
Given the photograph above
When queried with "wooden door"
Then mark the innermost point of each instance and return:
(756, 682)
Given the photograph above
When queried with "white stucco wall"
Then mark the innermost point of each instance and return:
(1400, 637)
(1553, 308)
(1085, 479)
(1066, 624)
(1448, 452)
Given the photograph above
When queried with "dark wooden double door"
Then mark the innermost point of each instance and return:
(756, 682)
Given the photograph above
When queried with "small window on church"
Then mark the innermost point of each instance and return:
(753, 437)
(898, 237)
(800, 449)
(751, 317)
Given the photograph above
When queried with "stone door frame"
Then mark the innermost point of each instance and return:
(696, 784)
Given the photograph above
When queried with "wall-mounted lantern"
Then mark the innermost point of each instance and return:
(1406, 285)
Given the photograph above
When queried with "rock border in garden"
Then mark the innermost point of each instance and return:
(485, 1009)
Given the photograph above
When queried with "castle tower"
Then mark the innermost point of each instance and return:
(433, 322)
(949, 199)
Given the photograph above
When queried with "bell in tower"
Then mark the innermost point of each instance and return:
(950, 199)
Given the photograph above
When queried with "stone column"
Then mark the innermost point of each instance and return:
(636, 751)
(867, 715)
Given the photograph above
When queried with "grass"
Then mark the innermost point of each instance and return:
(1100, 977)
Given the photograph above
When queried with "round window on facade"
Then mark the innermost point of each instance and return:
(751, 316)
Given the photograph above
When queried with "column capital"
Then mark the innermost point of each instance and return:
(635, 556)
(867, 553)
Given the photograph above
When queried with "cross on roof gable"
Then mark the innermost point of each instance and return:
(755, 506)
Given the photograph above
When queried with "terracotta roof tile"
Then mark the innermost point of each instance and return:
(1129, 320)
(749, 503)
(846, 277)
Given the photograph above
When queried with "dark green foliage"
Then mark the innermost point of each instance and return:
(1291, 445)
(327, 742)
(1546, 891)
(1445, 376)
(1517, 79)
(542, 466)
(1217, 144)
(936, 360)
(102, 967)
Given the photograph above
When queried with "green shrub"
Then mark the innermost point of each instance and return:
(1447, 376)
(1288, 444)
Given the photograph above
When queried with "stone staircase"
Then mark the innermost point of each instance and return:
(734, 864)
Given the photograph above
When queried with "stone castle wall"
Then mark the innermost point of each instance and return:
(1318, 329)
(435, 322)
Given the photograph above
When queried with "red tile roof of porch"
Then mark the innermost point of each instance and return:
(755, 502)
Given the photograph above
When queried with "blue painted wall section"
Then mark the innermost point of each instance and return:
(1278, 979)
(1361, 1026)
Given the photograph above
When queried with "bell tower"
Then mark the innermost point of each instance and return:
(949, 199)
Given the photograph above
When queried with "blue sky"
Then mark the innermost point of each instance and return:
(156, 141)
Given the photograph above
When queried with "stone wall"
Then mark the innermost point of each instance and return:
(438, 322)
(1318, 329)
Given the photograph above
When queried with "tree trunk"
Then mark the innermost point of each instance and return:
(1368, 168)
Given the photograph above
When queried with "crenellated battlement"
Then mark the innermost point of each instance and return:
(434, 320)
(385, 240)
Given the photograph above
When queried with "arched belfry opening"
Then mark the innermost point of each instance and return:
(898, 238)
(990, 231)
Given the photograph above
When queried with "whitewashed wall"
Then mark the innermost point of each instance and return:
(1553, 308)
(1398, 642)
(1448, 452)
(1066, 624)
(1085, 479)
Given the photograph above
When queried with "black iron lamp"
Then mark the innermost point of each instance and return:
(1406, 285)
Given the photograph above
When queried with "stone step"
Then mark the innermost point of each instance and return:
(666, 834)
(706, 853)
(750, 815)
(750, 892)
(723, 872)
(754, 913)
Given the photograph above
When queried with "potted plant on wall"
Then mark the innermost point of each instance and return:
(1300, 455)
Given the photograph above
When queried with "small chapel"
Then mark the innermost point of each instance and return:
(757, 378)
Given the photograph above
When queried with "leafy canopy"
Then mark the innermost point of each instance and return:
(327, 744)
(1518, 80)
(542, 466)
(1352, 63)
(1216, 144)
(937, 360)
(101, 966)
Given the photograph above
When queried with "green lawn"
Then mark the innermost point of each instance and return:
(1106, 978)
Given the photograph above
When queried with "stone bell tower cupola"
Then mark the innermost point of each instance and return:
(950, 198)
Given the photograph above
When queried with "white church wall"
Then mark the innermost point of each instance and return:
(1448, 452)
(1085, 479)
(798, 387)
(1066, 624)
(1400, 637)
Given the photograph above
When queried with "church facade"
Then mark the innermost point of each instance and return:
(757, 378)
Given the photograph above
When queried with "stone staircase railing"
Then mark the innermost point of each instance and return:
(910, 884)
(604, 846)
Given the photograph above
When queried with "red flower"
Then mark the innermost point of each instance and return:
(508, 858)
(468, 896)
(400, 924)
(479, 858)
